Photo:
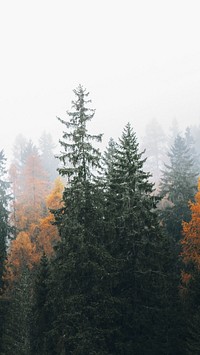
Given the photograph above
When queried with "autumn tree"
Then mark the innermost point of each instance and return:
(30, 185)
(46, 234)
(191, 234)
(41, 237)
(191, 275)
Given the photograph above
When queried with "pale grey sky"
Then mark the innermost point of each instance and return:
(138, 59)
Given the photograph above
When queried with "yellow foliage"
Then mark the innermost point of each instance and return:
(37, 234)
(54, 199)
(22, 253)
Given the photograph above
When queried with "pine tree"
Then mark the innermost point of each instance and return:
(190, 299)
(178, 186)
(136, 242)
(17, 329)
(191, 143)
(82, 268)
(41, 314)
(154, 143)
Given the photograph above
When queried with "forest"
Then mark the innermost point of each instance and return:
(100, 250)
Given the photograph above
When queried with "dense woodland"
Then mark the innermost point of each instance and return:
(100, 251)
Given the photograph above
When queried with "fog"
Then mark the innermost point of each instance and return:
(140, 60)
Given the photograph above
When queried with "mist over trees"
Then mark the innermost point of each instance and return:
(100, 250)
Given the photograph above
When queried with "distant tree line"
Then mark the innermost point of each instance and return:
(97, 256)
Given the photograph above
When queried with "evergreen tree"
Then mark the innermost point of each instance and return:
(136, 242)
(41, 315)
(18, 325)
(191, 303)
(82, 269)
(191, 143)
(174, 131)
(178, 186)
(154, 143)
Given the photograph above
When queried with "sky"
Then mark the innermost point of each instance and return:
(140, 60)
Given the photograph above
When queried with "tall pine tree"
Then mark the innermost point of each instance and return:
(82, 269)
(136, 242)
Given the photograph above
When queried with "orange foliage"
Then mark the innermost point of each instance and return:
(36, 238)
(191, 238)
(191, 232)
(48, 233)
(54, 199)
(30, 187)
(22, 253)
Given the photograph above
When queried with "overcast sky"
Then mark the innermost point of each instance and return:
(138, 59)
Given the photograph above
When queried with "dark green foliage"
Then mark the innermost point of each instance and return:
(178, 186)
(191, 302)
(86, 320)
(4, 306)
(41, 314)
(135, 239)
(79, 156)
(18, 323)
(112, 285)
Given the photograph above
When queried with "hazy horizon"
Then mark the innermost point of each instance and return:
(139, 61)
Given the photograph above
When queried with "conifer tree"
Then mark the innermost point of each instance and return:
(136, 242)
(17, 328)
(82, 268)
(178, 186)
(41, 315)
(154, 143)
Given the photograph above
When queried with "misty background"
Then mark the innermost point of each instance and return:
(140, 61)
